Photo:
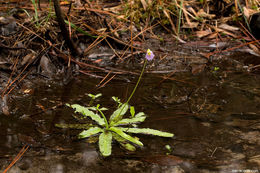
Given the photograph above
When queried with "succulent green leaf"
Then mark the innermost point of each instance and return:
(74, 126)
(116, 99)
(140, 114)
(168, 147)
(132, 111)
(86, 112)
(95, 108)
(105, 143)
(90, 132)
(125, 136)
(123, 142)
(119, 113)
(126, 121)
(91, 95)
(98, 95)
(147, 131)
(95, 96)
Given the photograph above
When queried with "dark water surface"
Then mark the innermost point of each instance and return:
(215, 116)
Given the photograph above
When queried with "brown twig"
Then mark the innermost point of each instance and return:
(107, 81)
(232, 48)
(17, 157)
(103, 79)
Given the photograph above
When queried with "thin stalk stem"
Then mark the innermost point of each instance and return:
(136, 85)
(105, 119)
(91, 101)
(180, 15)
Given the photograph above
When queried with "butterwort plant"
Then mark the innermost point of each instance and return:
(117, 127)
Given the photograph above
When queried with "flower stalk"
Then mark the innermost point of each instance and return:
(105, 119)
(148, 57)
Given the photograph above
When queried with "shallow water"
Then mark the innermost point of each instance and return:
(215, 116)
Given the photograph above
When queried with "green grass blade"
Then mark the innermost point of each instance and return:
(147, 131)
(105, 143)
(126, 136)
(80, 30)
(243, 14)
(90, 132)
(35, 12)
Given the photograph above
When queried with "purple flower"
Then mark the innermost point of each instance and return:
(149, 55)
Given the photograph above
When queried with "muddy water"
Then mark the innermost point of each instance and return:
(215, 116)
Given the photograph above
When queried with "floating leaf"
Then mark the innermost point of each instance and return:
(129, 121)
(86, 112)
(91, 131)
(123, 142)
(74, 126)
(119, 113)
(105, 143)
(93, 139)
(79, 117)
(147, 131)
(126, 136)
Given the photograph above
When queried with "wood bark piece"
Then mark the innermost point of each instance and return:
(64, 30)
